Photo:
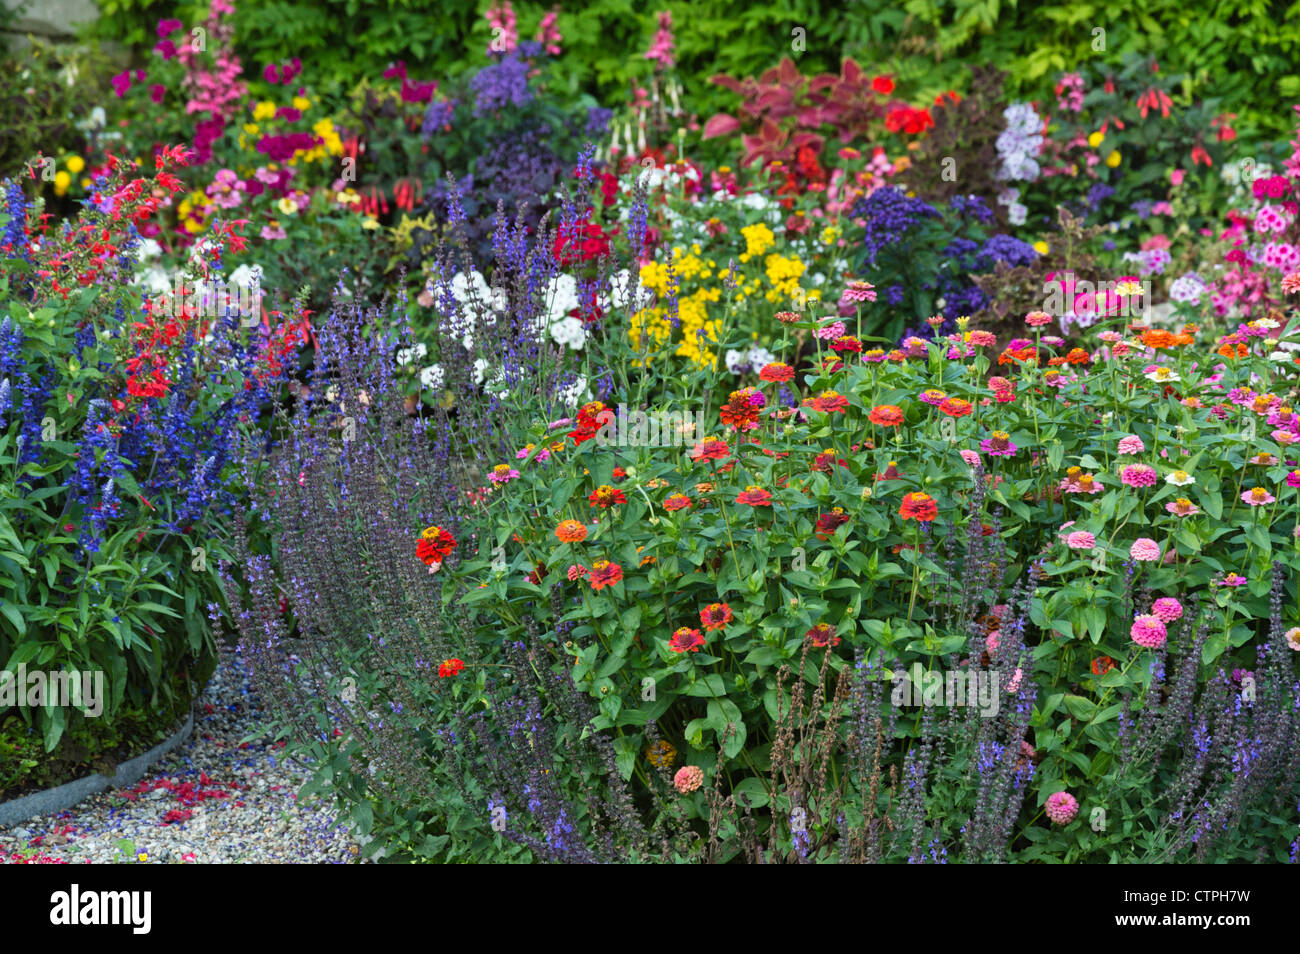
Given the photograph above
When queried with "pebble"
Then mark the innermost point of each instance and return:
(214, 800)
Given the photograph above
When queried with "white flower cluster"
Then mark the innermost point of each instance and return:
(746, 362)
(1020, 143)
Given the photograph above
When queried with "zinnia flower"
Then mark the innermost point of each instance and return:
(859, 291)
(827, 402)
(754, 497)
(998, 444)
(450, 667)
(605, 573)
(828, 523)
(686, 640)
(1080, 540)
(886, 415)
(777, 371)
(1257, 497)
(1131, 445)
(1182, 507)
(710, 449)
(661, 754)
(955, 407)
(571, 531)
(1167, 609)
(715, 616)
(606, 496)
(919, 507)
(1180, 478)
(688, 778)
(1293, 638)
(677, 502)
(822, 635)
(502, 474)
(434, 546)
(1061, 807)
(1149, 632)
(1138, 475)
(1144, 550)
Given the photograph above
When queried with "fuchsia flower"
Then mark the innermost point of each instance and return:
(1061, 807)
(1138, 475)
(1149, 632)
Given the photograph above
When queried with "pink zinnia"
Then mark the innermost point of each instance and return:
(1062, 807)
(859, 291)
(1167, 609)
(1232, 579)
(1131, 445)
(1144, 550)
(1036, 319)
(971, 458)
(832, 331)
(688, 778)
(1138, 475)
(1257, 497)
(1149, 632)
(1081, 540)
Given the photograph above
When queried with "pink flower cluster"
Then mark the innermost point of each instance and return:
(1062, 807)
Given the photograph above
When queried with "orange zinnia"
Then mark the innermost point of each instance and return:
(755, 497)
(715, 616)
(604, 573)
(886, 415)
(571, 531)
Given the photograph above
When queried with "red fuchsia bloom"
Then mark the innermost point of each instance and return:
(1182, 507)
(1144, 550)
(606, 496)
(859, 292)
(1167, 609)
(1036, 319)
(828, 523)
(753, 496)
(886, 415)
(1257, 497)
(450, 667)
(919, 507)
(689, 777)
(822, 636)
(434, 546)
(1131, 445)
(715, 616)
(1138, 475)
(577, 572)
(777, 371)
(1061, 807)
(710, 449)
(604, 573)
(998, 444)
(955, 407)
(1149, 632)
(686, 640)
(502, 474)
(677, 502)
(828, 402)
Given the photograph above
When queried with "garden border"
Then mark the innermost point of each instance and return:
(62, 797)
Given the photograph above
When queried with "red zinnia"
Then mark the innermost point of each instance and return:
(1102, 665)
(754, 497)
(710, 449)
(955, 407)
(920, 507)
(827, 402)
(435, 545)
(777, 371)
(715, 616)
(686, 640)
(604, 573)
(886, 415)
(823, 635)
(450, 667)
(828, 523)
(677, 502)
(606, 496)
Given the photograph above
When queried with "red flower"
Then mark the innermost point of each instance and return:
(677, 502)
(710, 449)
(450, 667)
(604, 573)
(435, 545)
(1102, 665)
(822, 635)
(827, 402)
(715, 616)
(886, 415)
(686, 640)
(919, 507)
(776, 371)
(590, 418)
(883, 85)
(955, 407)
(580, 242)
(754, 497)
(606, 496)
(828, 523)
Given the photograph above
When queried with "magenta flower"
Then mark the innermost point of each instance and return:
(1232, 579)
(157, 91)
(167, 27)
(1138, 475)
(1167, 609)
(859, 292)
(1149, 632)
(1144, 550)
(1061, 807)
(998, 444)
(121, 83)
(971, 458)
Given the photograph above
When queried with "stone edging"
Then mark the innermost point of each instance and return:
(54, 800)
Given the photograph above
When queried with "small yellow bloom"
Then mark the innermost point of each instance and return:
(1041, 247)
(301, 103)
(287, 206)
(252, 129)
(76, 164)
(1095, 139)
(61, 182)
(1113, 159)
(264, 110)
(370, 222)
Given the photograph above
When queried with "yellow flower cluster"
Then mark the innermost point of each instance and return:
(758, 239)
(192, 212)
(783, 274)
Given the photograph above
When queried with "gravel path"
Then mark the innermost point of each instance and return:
(214, 800)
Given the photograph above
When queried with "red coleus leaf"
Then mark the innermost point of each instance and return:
(721, 125)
